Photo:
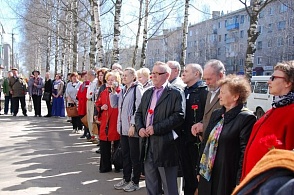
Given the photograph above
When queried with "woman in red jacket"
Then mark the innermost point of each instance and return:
(108, 122)
(276, 128)
(82, 102)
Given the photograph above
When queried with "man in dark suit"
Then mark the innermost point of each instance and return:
(214, 70)
(162, 111)
(196, 94)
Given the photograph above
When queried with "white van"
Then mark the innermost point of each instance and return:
(260, 100)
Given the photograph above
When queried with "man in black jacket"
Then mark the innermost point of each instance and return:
(48, 89)
(162, 110)
(195, 93)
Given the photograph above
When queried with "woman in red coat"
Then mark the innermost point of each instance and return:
(108, 122)
(82, 104)
(276, 128)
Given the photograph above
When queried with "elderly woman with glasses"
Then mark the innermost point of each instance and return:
(276, 128)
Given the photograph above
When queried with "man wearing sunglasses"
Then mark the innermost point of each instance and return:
(162, 109)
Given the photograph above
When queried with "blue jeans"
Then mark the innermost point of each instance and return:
(6, 104)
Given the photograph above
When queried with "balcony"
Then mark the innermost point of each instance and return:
(234, 26)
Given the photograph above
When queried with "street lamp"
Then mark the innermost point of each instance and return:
(12, 46)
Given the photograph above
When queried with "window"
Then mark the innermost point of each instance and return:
(270, 11)
(270, 28)
(191, 33)
(281, 25)
(218, 51)
(261, 14)
(219, 38)
(259, 60)
(259, 45)
(283, 8)
(226, 37)
(242, 19)
(259, 29)
(189, 55)
(280, 41)
(241, 33)
(270, 43)
(226, 23)
(241, 62)
(261, 87)
(219, 24)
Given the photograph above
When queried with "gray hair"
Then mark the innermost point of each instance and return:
(216, 65)
(92, 73)
(197, 67)
(175, 65)
(163, 65)
(132, 71)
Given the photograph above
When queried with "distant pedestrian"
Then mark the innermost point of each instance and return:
(57, 94)
(143, 75)
(18, 90)
(175, 78)
(48, 89)
(35, 86)
(7, 94)
(71, 96)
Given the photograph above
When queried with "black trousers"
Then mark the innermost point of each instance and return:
(8, 99)
(105, 158)
(49, 107)
(76, 121)
(15, 103)
(131, 158)
(37, 104)
(86, 129)
(189, 157)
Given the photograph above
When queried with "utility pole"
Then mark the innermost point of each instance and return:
(12, 56)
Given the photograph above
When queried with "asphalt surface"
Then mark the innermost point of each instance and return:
(41, 155)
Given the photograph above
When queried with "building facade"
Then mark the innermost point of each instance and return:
(224, 37)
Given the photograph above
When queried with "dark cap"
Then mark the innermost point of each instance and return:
(36, 71)
(14, 69)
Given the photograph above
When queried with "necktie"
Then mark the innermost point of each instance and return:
(155, 97)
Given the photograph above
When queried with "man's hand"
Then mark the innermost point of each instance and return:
(150, 130)
(143, 133)
(197, 129)
(131, 132)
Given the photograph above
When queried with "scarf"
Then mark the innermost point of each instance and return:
(209, 152)
(283, 100)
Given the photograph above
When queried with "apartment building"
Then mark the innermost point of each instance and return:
(224, 37)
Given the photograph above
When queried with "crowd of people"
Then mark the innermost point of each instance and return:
(167, 125)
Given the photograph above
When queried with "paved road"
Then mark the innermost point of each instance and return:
(42, 156)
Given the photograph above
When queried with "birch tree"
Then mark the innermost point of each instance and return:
(185, 34)
(116, 33)
(75, 35)
(99, 37)
(138, 34)
(256, 6)
(145, 40)
(92, 52)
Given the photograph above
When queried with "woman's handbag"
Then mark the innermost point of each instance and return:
(30, 105)
(117, 158)
(85, 121)
(72, 111)
(95, 128)
(46, 96)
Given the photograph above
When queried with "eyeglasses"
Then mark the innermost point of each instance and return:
(272, 78)
(157, 73)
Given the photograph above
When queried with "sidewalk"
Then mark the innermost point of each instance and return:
(41, 156)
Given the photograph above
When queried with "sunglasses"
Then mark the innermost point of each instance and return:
(157, 73)
(272, 78)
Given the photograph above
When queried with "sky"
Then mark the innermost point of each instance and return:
(10, 22)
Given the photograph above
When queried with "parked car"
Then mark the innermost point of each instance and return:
(260, 100)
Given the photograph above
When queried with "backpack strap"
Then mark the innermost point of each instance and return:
(134, 104)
